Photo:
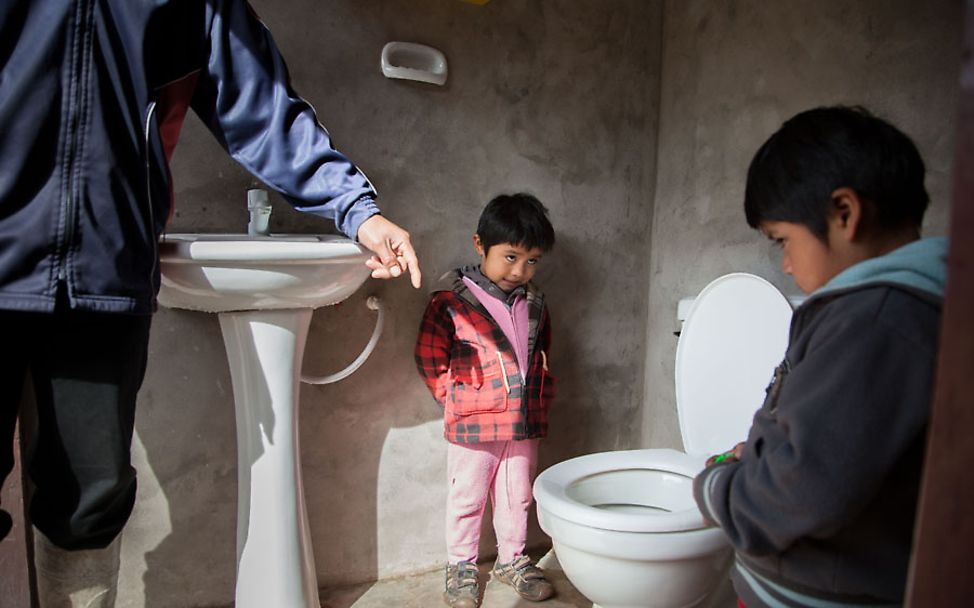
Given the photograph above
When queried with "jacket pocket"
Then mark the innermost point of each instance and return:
(480, 385)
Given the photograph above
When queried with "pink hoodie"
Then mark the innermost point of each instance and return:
(513, 321)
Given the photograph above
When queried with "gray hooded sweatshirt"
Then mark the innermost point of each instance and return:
(820, 508)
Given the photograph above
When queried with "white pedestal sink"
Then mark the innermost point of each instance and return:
(264, 290)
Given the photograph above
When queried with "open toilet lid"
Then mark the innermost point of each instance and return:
(734, 336)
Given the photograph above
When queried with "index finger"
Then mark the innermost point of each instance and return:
(412, 264)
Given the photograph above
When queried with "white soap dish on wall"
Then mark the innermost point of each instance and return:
(412, 61)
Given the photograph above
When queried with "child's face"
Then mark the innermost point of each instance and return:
(507, 265)
(805, 257)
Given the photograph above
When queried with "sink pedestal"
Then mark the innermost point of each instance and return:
(264, 288)
(275, 562)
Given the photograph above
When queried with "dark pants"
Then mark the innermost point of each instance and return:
(87, 369)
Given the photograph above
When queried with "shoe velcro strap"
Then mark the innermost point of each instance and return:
(466, 576)
(531, 573)
(523, 567)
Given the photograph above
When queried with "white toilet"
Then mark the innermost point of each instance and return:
(624, 525)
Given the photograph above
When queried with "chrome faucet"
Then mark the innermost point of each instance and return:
(259, 207)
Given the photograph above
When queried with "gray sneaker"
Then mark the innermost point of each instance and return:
(527, 579)
(462, 590)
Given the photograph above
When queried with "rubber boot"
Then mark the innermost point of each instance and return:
(76, 579)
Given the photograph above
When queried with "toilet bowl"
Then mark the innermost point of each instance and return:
(624, 525)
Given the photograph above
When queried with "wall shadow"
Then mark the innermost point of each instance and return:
(185, 518)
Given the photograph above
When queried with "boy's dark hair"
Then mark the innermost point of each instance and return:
(793, 175)
(519, 219)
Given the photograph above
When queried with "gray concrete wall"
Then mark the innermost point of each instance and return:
(732, 73)
(557, 98)
(562, 98)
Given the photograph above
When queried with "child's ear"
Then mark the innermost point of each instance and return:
(846, 214)
(478, 245)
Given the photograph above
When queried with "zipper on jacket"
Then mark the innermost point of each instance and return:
(79, 64)
(774, 389)
(507, 385)
(544, 375)
(151, 220)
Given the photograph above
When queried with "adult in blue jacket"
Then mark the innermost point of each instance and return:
(92, 97)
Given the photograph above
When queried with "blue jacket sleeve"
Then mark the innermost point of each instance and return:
(244, 97)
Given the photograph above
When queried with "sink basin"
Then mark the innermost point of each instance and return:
(264, 290)
(226, 272)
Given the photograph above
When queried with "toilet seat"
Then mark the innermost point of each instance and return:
(553, 486)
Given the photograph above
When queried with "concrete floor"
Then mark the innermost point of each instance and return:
(425, 591)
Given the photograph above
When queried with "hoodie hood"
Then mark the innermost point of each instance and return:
(920, 265)
(474, 273)
(452, 280)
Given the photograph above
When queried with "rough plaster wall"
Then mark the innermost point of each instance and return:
(732, 73)
(557, 98)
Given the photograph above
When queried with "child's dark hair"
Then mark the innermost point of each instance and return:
(519, 219)
(793, 175)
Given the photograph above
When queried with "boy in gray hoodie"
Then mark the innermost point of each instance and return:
(819, 502)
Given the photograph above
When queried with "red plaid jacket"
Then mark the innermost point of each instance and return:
(471, 368)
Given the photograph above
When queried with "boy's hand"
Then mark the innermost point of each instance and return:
(732, 455)
(393, 252)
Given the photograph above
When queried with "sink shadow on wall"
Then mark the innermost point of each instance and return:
(180, 542)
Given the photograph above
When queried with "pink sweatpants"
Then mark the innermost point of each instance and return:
(502, 470)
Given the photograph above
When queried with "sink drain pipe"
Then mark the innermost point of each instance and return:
(375, 304)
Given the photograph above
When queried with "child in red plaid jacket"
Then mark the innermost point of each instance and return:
(483, 352)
